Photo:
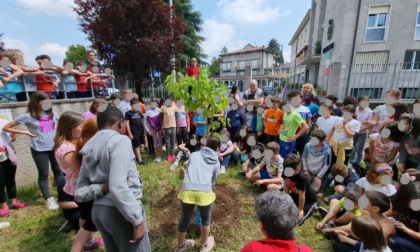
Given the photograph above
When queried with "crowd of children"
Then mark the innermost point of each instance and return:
(364, 164)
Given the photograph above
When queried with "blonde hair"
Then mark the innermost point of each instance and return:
(378, 170)
(308, 85)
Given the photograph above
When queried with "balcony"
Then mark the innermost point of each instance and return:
(309, 55)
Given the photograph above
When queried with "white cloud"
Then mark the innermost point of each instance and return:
(251, 11)
(11, 43)
(54, 50)
(56, 8)
(217, 36)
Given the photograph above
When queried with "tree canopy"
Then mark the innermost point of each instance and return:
(190, 38)
(133, 35)
(274, 46)
(214, 67)
(75, 53)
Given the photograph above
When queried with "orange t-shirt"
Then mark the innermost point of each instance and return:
(273, 121)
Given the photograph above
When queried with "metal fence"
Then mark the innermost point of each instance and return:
(371, 80)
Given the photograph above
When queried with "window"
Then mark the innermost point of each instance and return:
(241, 65)
(410, 93)
(417, 33)
(411, 60)
(372, 93)
(254, 64)
(226, 66)
(371, 62)
(377, 23)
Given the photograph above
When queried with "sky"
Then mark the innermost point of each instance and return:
(50, 26)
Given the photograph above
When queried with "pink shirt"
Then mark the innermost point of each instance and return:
(71, 178)
(88, 115)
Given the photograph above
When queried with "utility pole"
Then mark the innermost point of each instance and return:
(172, 45)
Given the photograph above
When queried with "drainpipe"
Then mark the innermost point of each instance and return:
(354, 45)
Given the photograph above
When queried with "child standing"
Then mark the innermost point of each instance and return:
(291, 122)
(273, 118)
(294, 98)
(299, 188)
(325, 121)
(169, 126)
(373, 180)
(40, 120)
(269, 171)
(234, 120)
(183, 128)
(343, 131)
(135, 128)
(316, 159)
(152, 123)
(364, 115)
(200, 122)
(8, 165)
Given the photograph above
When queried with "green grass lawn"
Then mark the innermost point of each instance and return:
(234, 222)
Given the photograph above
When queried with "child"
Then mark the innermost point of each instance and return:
(200, 122)
(169, 122)
(114, 98)
(258, 125)
(8, 165)
(369, 231)
(316, 159)
(363, 115)
(385, 149)
(40, 120)
(249, 116)
(152, 123)
(332, 100)
(69, 129)
(197, 190)
(325, 121)
(294, 99)
(269, 171)
(68, 85)
(380, 112)
(46, 82)
(374, 181)
(94, 108)
(342, 133)
(234, 121)
(252, 162)
(299, 188)
(225, 151)
(337, 215)
(349, 178)
(135, 129)
(183, 124)
(273, 118)
(185, 150)
(242, 149)
(309, 101)
(10, 85)
(409, 155)
(291, 122)
(407, 219)
(82, 79)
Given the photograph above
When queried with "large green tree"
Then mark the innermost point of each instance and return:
(274, 46)
(75, 53)
(190, 38)
(214, 67)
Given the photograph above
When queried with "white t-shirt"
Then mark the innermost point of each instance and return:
(326, 124)
(225, 146)
(382, 150)
(362, 249)
(388, 190)
(124, 106)
(303, 111)
(381, 111)
(274, 167)
(339, 133)
(4, 140)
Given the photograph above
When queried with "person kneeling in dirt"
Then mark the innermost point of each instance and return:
(277, 215)
(200, 178)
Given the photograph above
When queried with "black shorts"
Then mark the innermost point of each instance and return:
(86, 214)
(137, 140)
(63, 196)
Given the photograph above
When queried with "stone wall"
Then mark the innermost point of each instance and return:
(27, 172)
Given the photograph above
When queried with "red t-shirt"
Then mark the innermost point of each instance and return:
(95, 81)
(193, 71)
(81, 84)
(272, 245)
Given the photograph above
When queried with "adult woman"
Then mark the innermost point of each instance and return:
(234, 94)
(308, 89)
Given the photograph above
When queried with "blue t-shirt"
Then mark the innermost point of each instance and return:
(200, 129)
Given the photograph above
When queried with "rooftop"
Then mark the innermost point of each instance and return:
(247, 48)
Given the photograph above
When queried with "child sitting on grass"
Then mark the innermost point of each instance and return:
(336, 214)
(271, 175)
(225, 151)
(253, 162)
(242, 149)
(298, 186)
(316, 159)
(185, 150)
(378, 179)
(344, 180)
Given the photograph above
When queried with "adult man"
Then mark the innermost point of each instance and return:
(277, 215)
(91, 55)
(193, 69)
(108, 165)
(253, 95)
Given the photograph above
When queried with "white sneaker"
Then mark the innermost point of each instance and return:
(158, 160)
(174, 166)
(155, 160)
(222, 169)
(187, 244)
(51, 204)
(4, 225)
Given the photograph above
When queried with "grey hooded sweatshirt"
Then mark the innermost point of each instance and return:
(108, 157)
(203, 169)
